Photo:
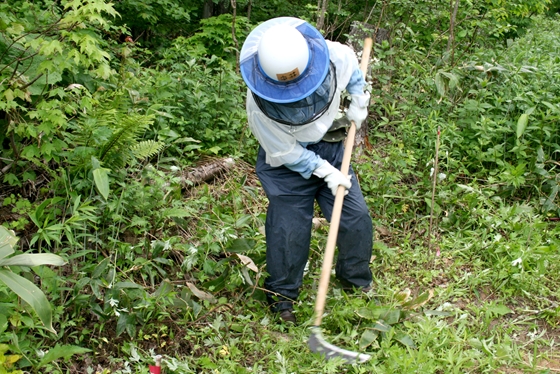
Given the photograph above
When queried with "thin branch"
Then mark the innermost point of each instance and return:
(371, 12)
(33, 81)
(39, 32)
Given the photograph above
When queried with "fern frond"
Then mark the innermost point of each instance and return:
(124, 137)
(147, 149)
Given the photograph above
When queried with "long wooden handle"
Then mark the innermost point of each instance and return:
(337, 207)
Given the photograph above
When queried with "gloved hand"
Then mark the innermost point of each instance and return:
(358, 109)
(333, 177)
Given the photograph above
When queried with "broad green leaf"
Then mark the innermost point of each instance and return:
(49, 282)
(475, 343)
(33, 260)
(368, 337)
(453, 81)
(367, 313)
(15, 29)
(440, 84)
(520, 56)
(503, 351)
(30, 152)
(549, 203)
(101, 179)
(388, 315)
(61, 351)
(437, 207)
(126, 322)
(243, 221)
(48, 149)
(522, 124)
(49, 47)
(499, 309)
(405, 340)
(3, 321)
(8, 240)
(100, 268)
(391, 316)
(9, 94)
(381, 326)
(540, 154)
(219, 283)
(165, 288)
(31, 294)
(546, 250)
(241, 245)
(554, 108)
(121, 285)
(177, 212)
(10, 360)
(95, 163)
(76, 204)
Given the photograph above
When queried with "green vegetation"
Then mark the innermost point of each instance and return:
(107, 110)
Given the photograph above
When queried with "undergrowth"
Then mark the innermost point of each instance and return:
(466, 255)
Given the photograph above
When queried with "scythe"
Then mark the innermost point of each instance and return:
(316, 341)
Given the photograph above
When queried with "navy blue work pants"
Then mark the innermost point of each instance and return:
(289, 223)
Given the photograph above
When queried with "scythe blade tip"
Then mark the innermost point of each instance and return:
(318, 344)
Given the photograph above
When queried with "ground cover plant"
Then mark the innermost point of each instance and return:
(103, 140)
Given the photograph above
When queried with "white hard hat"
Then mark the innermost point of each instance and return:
(283, 53)
(284, 60)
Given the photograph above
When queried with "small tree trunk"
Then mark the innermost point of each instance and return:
(212, 8)
(249, 10)
(322, 12)
(452, 20)
(208, 9)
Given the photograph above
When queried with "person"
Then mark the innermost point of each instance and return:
(295, 79)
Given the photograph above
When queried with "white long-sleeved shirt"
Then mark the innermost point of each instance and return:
(284, 144)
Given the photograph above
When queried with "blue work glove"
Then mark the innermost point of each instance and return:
(358, 109)
(333, 177)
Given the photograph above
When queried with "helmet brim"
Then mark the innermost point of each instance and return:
(285, 92)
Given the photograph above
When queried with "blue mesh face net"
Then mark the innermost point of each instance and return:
(303, 111)
(291, 91)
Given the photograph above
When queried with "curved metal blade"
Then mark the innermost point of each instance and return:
(319, 345)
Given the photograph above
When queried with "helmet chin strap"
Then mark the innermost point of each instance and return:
(304, 111)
